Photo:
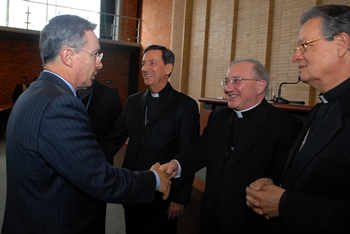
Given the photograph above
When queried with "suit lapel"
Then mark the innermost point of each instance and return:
(224, 136)
(319, 138)
(141, 109)
(297, 162)
(297, 142)
(251, 133)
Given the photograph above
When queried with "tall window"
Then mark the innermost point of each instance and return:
(34, 14)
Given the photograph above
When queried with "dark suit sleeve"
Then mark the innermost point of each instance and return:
(116, 137)
(289, 130)
(118, 108)
(189, 132)
(193, 158)
(75, 155)
(189, 129)
(16, 93)
(311, 214)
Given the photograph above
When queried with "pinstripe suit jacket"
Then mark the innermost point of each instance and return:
(56, 172)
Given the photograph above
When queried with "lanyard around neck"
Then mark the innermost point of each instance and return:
(87, 105)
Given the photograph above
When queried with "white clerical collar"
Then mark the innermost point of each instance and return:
(323, 99)
(155, 95)
(239, 113)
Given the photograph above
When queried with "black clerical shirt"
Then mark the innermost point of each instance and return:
(153, 100)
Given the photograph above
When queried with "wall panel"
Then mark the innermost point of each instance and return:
(267, 31)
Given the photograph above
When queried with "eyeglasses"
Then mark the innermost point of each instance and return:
(302, 47)
(98, 56)
(235, 81)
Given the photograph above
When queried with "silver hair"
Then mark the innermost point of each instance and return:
(259, 70)
(62, 31)
(335, 19)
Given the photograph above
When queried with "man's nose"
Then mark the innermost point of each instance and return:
(297, 56)
(145, 67)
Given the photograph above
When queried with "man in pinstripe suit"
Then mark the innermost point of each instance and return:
(57, 176)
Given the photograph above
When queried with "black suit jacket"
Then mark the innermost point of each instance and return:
(317, 199)
(173, 126)
(261, 151)
(56, 172)
(17, 92)
(104, 109)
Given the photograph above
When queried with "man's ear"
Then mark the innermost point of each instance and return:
(67, 56)
(343, 43)
(261, 85)
(168, 68)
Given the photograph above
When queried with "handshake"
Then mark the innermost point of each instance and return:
(166, 172)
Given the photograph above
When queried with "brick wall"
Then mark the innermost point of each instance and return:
(17, 59)
(155, 26)
(207, 30)
(156, 22)
(116, 69)
(128, 27)
(23, 59)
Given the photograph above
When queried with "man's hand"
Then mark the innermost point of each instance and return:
(264, 197)
(171, 168)
(165, 183)
(257, 186)
(175, 210)
(260, 183)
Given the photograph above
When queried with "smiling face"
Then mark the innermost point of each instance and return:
(318, 62)
(249, 92)
(155, 73)
(87, 66)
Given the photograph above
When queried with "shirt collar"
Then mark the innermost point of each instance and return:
(335, 93)
(69, 84)
(160, 93)
(240, 113)
(155, 95)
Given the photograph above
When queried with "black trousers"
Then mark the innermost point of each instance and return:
(152, 218)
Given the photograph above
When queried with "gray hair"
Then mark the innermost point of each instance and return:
(335, 19)
(260, 72)
(62, 31)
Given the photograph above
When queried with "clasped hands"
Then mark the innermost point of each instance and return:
(264, 197)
